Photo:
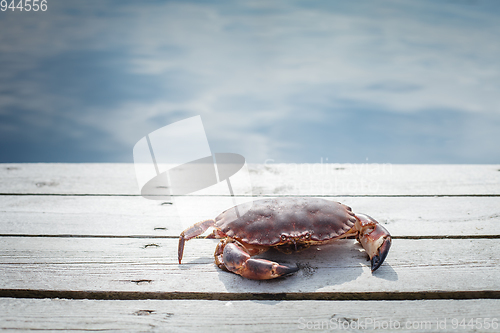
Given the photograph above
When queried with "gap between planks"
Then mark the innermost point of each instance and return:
(263, 195)
(204, 237)
(292, 296)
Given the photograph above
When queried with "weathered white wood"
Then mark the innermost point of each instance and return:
(125, 216)
(246, 316)
(268, 179)
(145, 265)
(377, 179)
(116, 266)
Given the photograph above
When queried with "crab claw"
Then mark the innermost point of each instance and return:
(374, 238)
(238, 261)
(378, 259)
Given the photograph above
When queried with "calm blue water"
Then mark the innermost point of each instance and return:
(289, 81)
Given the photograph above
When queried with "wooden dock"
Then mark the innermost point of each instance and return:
(80, 249)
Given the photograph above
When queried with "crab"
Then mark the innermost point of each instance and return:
(288, 225)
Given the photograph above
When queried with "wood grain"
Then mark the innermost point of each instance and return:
(136, 216)
(267, 179)
(143, 265)
(243, 316)
(83, 232)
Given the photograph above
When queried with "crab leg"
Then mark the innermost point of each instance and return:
(191, 232)
(374, 238)
(237, 260)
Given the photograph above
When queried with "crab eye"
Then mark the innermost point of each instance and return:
(307, 236)
(283, 237)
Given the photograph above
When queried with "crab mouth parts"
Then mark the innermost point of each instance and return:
(291, 248)
(294, 238)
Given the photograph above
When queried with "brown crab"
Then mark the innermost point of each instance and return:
(288, 225)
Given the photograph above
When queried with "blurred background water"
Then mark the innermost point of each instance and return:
(282, 81)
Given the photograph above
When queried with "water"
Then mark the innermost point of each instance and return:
(281, 81)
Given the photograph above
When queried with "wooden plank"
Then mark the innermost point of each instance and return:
(66, 178)
(125, 216)
(268, 179)
(126, 268)
(376, 179)
(143, 265)
(247, 316)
